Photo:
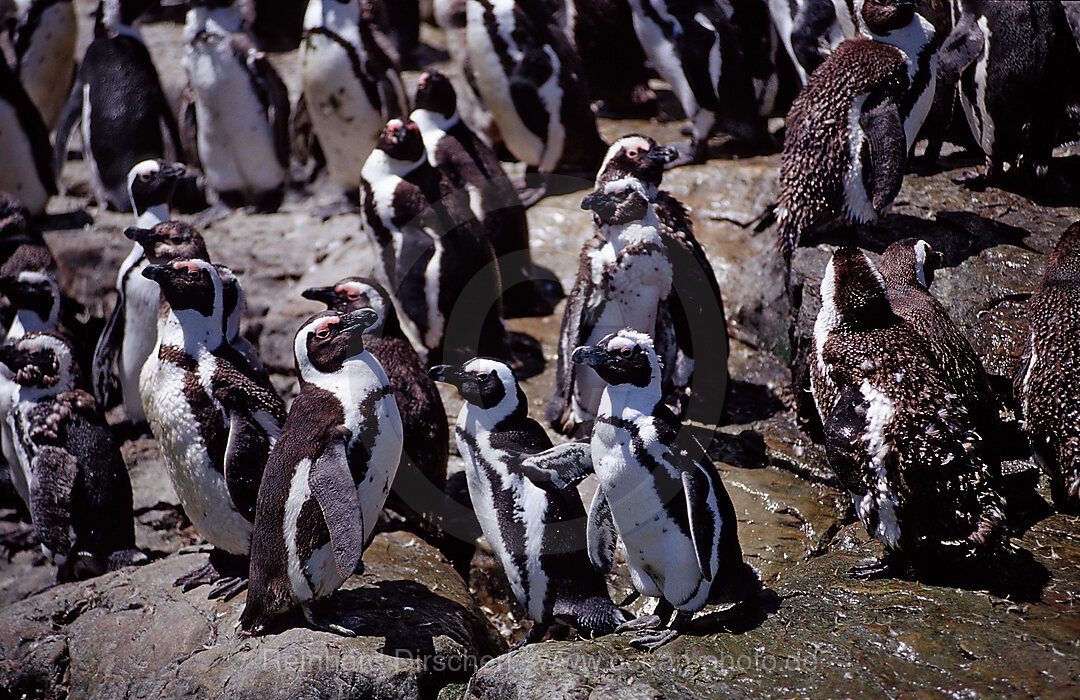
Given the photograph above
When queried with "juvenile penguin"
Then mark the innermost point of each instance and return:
(214, 422)
(44, 39)
(351, 88)
(845, 151)
(28, 172)
(433, 248)
(241, 108)
(1049, 369)
(66, 465)
(523, 492)
(899, 433)
(328, 475)
(471, 165)
(665, 498)
(531, 79)
(118, 100)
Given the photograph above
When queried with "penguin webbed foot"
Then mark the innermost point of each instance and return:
(645, 622)
(651, 640)
(228, 587)
(318, 622)
(225, 586)
(888, 565)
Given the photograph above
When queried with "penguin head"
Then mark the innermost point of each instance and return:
(14, 217)
(188, 284)
(1063, 265)
(635, 155)
(33, 291)
(483, 382)
(152, 182)
(401, 141)
(42, 360)
(909, 261)
(853, 292)
(328, 339)
(618, 202)
(884, 16)
(625, 357)
(435, 93)
(168, 241)
(352, 293)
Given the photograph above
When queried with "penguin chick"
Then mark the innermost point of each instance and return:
(65, 464)
(215, 422)
(328, 475)
(665, 498)
(522, 490)
(1045, 380)
(900, 434)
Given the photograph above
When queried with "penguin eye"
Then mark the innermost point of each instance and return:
(323, 332)
(482, 376)
(633, 153)
(352, 294)
(626, 352)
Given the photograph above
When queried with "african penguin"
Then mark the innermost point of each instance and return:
(845, 151)
(36, 299)
(808, 29)
(22, 246)
(900, 434)
(66, 465)
(215, 423)
(1046, 378)
(523, 492)
(27, 172)
(471, 165)
(44, 38)
(328, 475)
(450, 17)
(241, 108)
(351, 88)
(665, 497)
(433, 249)
(530, 78)
(118, 100)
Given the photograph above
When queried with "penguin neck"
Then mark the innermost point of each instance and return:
(633, 232)
(475, 418)
(628, 402)
(29, 321)
(214, 20)
(112, 20)
(190, 330)
(356, 378)
(150, 216)
(379, 165)
(433, 125)
(341, 18)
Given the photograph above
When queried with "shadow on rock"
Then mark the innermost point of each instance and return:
(1013, 574)
(747, 402)
(740, 618)
(747, 449)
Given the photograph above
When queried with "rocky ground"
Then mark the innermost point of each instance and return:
(1009, 628)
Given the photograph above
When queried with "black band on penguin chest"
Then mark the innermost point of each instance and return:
(207, 414)
(362, 437)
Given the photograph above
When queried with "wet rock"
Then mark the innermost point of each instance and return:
(132, 633)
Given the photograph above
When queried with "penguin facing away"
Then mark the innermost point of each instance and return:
(328, 475)
(44, 39)
(900, 435)
(28, 172)
(523, 492)
(665, 499)
(65, 464)
(1046, 377)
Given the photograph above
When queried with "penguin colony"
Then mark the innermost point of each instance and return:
(290, 497)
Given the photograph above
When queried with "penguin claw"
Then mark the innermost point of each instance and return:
(645, 622)
(228, 587)
(653, 640)
(878, 568)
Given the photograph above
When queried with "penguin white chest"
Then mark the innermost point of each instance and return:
(141, 299)
(19, 175)
(47, 68)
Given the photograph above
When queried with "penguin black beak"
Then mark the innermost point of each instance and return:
(600, 202)
(358, 321)
(662, 155)
(8, 284)
(12, 357)
(447, 374)
(326, 295)
(173, 170)
(158, 273)
(591, 355)
(141, 236)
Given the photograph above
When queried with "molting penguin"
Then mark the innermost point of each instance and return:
(215, 424)
(241, 108)
(328, 475)
(899, 432)
(67, 468)
(844, 151)
(118, 100)
(661, 491)
(531, 79)
(351, 88)
(1049, 370)
(24, 140)
(523, 492)
(44, 39)
(470, 165)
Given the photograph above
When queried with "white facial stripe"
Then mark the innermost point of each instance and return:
(625, 143)
(375, 300)
(627, 338)
(922, 248)
(482, 365)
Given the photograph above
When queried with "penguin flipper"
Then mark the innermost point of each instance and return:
(963, 45)
(189, 128)
(561, 466)
(106, 356)
(55, 471)
(887, 143)
(600, 533)
(275, 97)
(69, 117)
(702, 521)
(332, 485)
(843, 428)
(533, 70)
(245, 459)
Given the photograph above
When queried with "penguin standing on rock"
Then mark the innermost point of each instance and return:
(28, 172)
(214, 421)
(523, 492)
(44, 38)
(65, 464)
(328, 475)
(1049, 370)
(661, 492)
(899, 433)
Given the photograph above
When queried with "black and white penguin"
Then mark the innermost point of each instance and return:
(328, 475)
(665, 497)
(28, 172)
(471, 165)
(523, 492)
(35, 296)
(1045, 380)
(66, 465)
(241, 108)
(900, 434)
(351, 87)
(214, 423)
(845, 151)
(22, 249)
(118, 100)
(433, 249)
(450, 17)
(808, 30)
(530, 78)
(44, 39)
(696, 49)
